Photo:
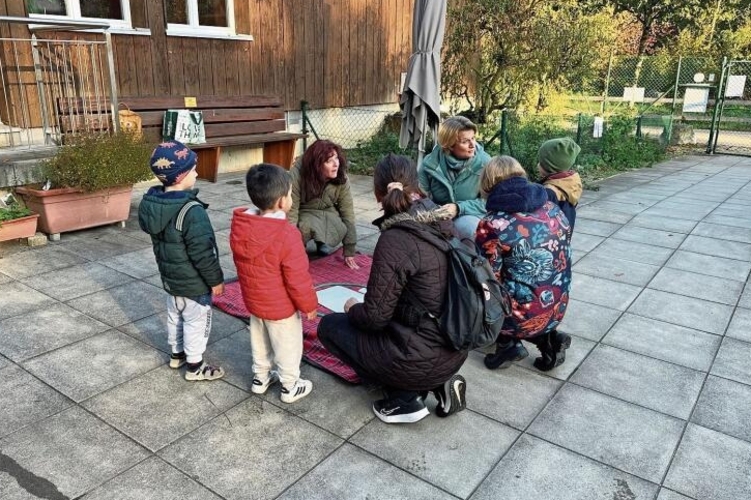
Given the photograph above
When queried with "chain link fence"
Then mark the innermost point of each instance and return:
(732, 133)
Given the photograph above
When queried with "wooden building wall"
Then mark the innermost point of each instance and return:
(332, 53)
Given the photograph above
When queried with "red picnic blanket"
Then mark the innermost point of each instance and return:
(327, 271)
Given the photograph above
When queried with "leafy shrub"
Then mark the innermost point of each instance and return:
(363, 158)
(100, 161)
(13, 211)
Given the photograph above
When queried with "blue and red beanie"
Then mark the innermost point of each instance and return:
(171, 161)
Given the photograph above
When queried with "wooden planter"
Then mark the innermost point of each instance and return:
(68, 209)
(23, 227)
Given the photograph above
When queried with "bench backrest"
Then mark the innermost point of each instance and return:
(223, 116)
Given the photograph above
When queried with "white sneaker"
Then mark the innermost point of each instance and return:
(260, 386)
(299, 390)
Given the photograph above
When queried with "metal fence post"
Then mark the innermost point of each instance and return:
(40, 88)
(719, 97)
(638, 127)
(607, 86)
(304, 113)
(677, 82)
(114, 104)
(579, 128)
(504, 128)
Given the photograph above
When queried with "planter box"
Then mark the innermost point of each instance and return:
(23, 227)
(69, 209)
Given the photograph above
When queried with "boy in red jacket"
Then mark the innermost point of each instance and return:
(272, 267)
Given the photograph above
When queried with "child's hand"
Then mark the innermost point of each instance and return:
(217, 290)
(350, 302)
(450, 209)
(310, 316)
(350, 263)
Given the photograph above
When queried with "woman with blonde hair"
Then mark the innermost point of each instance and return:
(450, 174)
(526, 239)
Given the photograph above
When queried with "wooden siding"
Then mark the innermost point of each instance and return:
(332, 53)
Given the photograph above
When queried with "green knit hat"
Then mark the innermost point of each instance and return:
(558, 155)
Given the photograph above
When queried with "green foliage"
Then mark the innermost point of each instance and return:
(363, 158)
(95, 162)
(13, 211)
(621, 149)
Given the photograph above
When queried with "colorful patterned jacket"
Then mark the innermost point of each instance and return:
(526, 238)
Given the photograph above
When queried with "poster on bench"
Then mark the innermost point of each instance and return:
(183, 125)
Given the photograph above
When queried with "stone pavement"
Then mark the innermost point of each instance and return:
(653, 401)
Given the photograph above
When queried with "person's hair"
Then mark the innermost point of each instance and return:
(498, 169)
(448, 132)
(395, 168)
(312, 180)
(266, 183)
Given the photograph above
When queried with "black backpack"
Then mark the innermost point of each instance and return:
(476, 302)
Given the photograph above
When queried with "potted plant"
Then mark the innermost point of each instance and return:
(16, 221)
(89, 182)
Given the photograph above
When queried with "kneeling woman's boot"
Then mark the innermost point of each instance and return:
(505, 353)
(552, 346)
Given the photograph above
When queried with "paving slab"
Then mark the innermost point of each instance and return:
(71, 282)
(730, 233)
(153, 329)
(37, 261)
(717, 247)
(25, 336)
(700, 286)
(711, 265)
(663, 223)
(110, 358)
(723, 407)
(513, 396)
(603, 292)
(18, 299)
(535, 469)
(676, 344)
(595, 227)
(138, 264)
(588, 212)
(64, 456)
(349, 469)
(25, 400)
(123, 304)
(631, 438)
(103, 246)
(437, 449)
(700, 314)
(666, 494)
(745, 300)
(152, 479)
(583, 243)
(723, 462)
(726, 221)
(732, 361)
(622, 271)
(160, 406)
(649, 236)
(740, 325)
(587, 320)
(648, 382)
(633, 251)
(4, 278)
(254, 450)
(610, 205)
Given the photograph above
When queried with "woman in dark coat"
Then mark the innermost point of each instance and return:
(386, 339)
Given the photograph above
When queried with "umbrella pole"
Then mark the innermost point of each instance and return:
(421, 142)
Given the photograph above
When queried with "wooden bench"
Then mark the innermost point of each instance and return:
(228, 120)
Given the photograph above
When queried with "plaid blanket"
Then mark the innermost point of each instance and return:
(327, 271)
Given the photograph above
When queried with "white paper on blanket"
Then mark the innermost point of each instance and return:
(333, 298)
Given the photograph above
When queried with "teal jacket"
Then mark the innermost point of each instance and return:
(188, 260)
(464, 191)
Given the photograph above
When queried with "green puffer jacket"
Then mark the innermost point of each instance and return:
(329, 219)
(188, 260)
(464, 191)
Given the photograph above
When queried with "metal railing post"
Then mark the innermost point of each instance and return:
(113, 81)
(677, 82)
(40, 87)
(719, 98)
(304, 117)
(638, 126)
(607, 86)
(579, 128)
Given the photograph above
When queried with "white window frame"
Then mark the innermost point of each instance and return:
(196, 30)
(73, 8)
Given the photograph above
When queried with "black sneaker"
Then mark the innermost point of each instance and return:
(397, 411)
(504, 355)
(450, 396)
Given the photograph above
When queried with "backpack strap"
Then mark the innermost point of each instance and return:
(183, 212)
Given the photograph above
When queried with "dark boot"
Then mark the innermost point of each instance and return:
(505, 353)
(552, 346)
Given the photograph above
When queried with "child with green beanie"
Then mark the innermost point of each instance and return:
(556, 160)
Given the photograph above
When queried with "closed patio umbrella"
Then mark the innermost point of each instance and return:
(421, 98)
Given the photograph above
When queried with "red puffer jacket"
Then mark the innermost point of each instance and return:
(271, 265)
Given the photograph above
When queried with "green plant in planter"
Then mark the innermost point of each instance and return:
(13, 211)
(99, 161)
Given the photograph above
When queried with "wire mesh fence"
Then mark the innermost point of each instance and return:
(733, 123)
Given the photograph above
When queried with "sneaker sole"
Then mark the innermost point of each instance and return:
(457, 387)
(288, 399)
(201, 376)
(504, 364)
(409, 418)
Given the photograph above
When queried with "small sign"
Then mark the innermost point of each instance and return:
(190, 102)
(598, 126)
(736, 85)
(633, 94)
(695, 99)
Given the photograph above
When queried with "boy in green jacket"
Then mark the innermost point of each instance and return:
(186, 253)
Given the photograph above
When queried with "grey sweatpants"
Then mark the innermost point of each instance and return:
(188, 327)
